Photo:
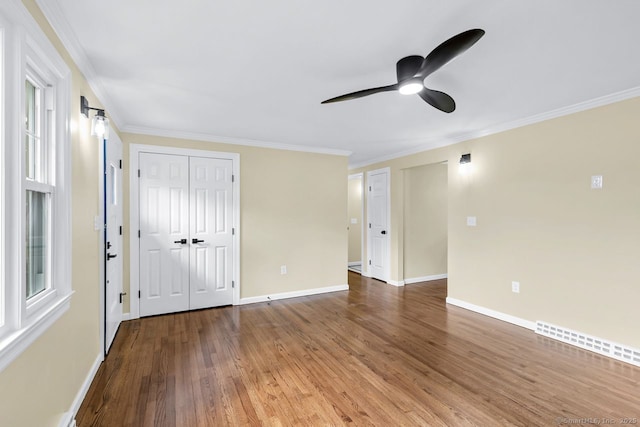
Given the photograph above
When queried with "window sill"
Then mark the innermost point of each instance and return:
(17, 341)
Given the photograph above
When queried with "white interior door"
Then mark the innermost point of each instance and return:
(113, 238)
(211, 234)
(378, 223)
(164, 233)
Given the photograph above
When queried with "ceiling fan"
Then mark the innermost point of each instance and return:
(412, 70)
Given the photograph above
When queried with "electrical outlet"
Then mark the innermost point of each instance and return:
(471, 221)
(283, 269)
(515, 287)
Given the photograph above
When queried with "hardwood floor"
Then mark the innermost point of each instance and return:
(375, 355)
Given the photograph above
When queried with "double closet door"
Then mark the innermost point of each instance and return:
(186, 233)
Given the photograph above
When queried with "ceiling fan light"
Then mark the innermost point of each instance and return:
(411, 86)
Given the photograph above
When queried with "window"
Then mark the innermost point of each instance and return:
(35, 256)
(38, 191)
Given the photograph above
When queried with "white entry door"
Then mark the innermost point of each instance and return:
(164, 234)
(378, 223)
(113, 238)
(186, 233)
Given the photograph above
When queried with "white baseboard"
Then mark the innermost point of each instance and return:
(354, 263)
(395, 282)
(69, 418)
(294, 294)
(425, 278)
(126, 316)
(365, 273)
(492, 313)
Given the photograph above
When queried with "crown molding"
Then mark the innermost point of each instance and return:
(52, 11)
(196, 136)
(559, 112)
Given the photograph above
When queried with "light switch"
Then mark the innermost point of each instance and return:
(596, 182)
(354, 220)
(471, 221)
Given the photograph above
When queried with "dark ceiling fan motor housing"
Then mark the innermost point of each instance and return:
(412, 70)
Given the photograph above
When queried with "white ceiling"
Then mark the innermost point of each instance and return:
(256, 72)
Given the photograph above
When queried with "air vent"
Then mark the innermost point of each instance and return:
(588, 342)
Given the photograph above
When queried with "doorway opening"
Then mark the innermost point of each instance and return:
(355, 208)
(425, 228)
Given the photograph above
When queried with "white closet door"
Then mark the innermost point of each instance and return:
(211, 233)
(378, 237)
(164, 233)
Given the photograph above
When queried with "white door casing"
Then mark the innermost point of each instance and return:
(211, 232)
(189, 202)
(164, 234)
(113, 250)
(378, 208)
(135, 151)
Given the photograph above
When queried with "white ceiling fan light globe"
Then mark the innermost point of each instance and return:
(411, 86)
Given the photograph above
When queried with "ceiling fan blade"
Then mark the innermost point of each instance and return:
(361, 93)
(448, 50)
(437, 99)
(407, 67)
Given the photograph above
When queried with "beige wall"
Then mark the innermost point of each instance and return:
(574, 250)
(293, 208)
(40, 385)
(425, 221)
(355, 212)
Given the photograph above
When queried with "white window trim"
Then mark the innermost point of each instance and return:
(23, 42)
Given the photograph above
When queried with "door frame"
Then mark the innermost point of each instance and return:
(101, 228)
(134, 214)
(387, 264)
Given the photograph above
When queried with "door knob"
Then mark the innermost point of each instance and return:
(197, 241)
(109, 256)
(181, 241)
(383, 232)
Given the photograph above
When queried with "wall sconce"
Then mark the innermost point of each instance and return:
(465, 163)
(99, 123)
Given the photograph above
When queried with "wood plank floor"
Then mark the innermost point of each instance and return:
(375, 355)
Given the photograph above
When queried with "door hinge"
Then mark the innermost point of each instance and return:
(138, 234)
(369, 188)
(138, 173)
(233, 178)
(369, 262)
(369, 225)
(139, 295)
(233, 284)
(121, 230)
(120, 163)
(233, 231)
